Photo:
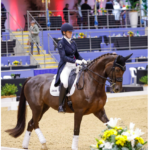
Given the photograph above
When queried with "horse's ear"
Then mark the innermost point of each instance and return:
(127, 57)
(118, 58)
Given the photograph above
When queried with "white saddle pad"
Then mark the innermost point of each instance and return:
(54, 91)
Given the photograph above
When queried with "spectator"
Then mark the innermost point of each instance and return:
(121, 3)
(116, 11)
(109, 5)
(85, 8)
(123, 14)
(78, 14)
(3, 17)
(34, 30)
(65, 12)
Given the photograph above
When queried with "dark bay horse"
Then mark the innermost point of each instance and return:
(91, 99)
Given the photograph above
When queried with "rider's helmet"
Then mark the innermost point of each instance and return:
(66, 27)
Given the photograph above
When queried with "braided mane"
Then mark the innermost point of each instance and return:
(94, 60)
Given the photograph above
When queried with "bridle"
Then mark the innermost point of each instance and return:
(123, 68)
(112, 81)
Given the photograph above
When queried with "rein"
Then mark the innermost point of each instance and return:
(118, 79)
(85, 68)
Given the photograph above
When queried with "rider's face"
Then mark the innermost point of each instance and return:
(69, 34)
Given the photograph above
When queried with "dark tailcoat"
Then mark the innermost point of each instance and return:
(68, 53)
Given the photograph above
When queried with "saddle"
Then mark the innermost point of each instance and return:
(73, 79)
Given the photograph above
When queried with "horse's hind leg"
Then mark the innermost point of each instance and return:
(27, 134)
(31, 127)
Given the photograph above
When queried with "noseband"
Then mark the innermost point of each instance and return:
(112, 81)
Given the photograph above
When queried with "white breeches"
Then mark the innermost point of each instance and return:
(64, 76)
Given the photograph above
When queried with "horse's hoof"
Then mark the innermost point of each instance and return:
(44, 147)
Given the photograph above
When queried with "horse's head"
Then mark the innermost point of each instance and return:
(116, 70)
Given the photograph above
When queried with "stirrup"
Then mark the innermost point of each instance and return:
(60, 109)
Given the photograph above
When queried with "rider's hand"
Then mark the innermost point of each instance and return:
(79, 62)
(84, 61)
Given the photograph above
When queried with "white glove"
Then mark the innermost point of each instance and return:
(79, 62)
(84, 61)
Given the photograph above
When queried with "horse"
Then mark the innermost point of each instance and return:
(91, 98)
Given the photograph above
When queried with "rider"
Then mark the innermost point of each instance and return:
(69, 57)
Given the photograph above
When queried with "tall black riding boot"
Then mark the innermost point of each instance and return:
(61, 98)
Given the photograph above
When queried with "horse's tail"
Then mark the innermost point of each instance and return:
(21, 117)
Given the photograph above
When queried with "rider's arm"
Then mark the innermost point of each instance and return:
(63, 54)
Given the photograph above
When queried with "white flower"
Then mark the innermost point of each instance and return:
(108, 145)
(132, 126)
(113, 122)
(138, 132)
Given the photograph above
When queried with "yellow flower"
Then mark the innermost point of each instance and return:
(97, 145)
(101, 142)
(81, 34)
(121, 139)
(108, 133)
(118, 128)
(15, 62)
(140, 140)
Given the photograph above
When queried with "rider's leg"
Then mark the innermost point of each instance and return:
(63, 89)
(64, 80)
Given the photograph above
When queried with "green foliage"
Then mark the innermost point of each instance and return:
(133, 4)
(145, 6)
(20, 84)
(115, 148)
(9, 89)
(96, 139)
(124, 148)
(144, 79)
(112, 138)
(12, 75)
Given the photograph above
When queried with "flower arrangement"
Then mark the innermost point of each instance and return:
(103, 11)
(130, 33)
(15, 62)
(81, 35)
(117, 138)
(127, 6)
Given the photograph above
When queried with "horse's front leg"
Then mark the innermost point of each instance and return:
(102, 115)
(77, 121)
